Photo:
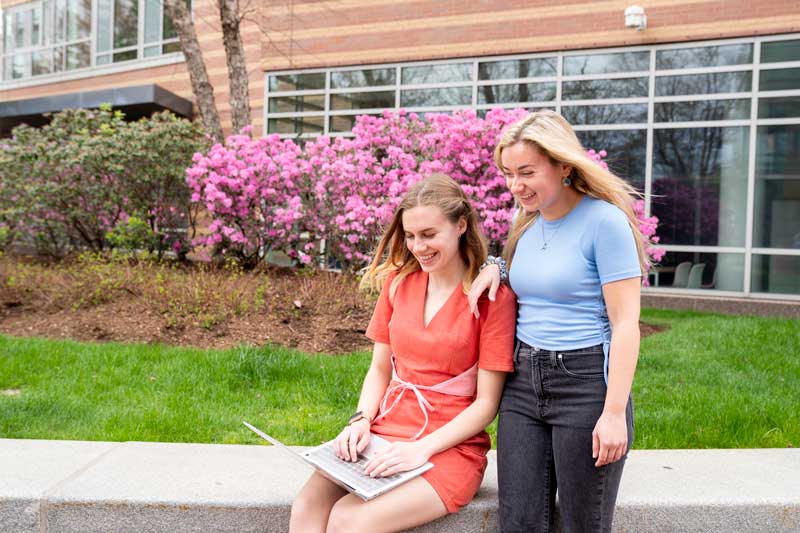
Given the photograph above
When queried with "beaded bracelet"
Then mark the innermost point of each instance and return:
(500, 262)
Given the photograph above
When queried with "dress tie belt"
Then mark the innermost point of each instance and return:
(464, 384)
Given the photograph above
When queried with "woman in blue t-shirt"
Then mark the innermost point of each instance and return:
(575, 257)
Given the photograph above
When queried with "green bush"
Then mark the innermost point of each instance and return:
(70, 183)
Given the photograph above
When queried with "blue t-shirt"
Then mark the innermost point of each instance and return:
(559, 289)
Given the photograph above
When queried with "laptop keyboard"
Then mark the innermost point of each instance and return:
(351, 473)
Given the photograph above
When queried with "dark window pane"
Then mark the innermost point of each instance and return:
(170, 48)
(517, 68)
(606, 63)
(702, 110)
(605, 114)
(720, 82)
(776, 217)
(79, 56)
(782, 79)
(437, 73)
(517, 92)
(126, 23)
(343, 123)
(776, 274)
(778, 51)
(627, 152)
(597, 89)
(788, 106)
(707, 56)
(298, 103)
(296, 125)
(168, 28)
(124, 56)
(362, 78)
(371, 100)
(694, 270)
(436, 97)
(700, 185)
(297, 82)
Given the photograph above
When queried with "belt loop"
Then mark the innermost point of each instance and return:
(517, 345)
(553, 357)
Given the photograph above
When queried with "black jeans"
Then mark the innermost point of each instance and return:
(550, 406)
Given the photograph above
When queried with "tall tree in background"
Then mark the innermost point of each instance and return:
(231, 18)
(201, 85)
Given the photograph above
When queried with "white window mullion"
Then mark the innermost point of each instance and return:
(751, 171)
(648, 163)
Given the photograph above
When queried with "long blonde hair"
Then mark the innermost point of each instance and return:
(553, 136)
(436, 190)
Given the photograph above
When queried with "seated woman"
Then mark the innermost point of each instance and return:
(436, 375)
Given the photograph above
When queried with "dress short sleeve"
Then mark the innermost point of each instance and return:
(498, 324)
(378, 329)
(615, 249)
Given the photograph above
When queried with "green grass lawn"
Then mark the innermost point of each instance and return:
(709, 381)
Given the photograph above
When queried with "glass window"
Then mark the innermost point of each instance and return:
(776, 216)
(606, 63)
(516, 92)
(776, 274)
(171, 48)
(447, 73)
(343, 123)
(706, 56)
(375, 77)
(600, 89)
(296, 125)
(778, 51)
(436, 97)
(700, 185)
(152, 21)
(104, 24)
(518, 68)
(782, 79)
(718, 82)
(297, 82)
(702, 110)
(297, 103)
(124, 56)
(370, 100)
(627, 152)
(41, 62)
(78, 56)
(79, 19)
(695, 270)
(605, 114)
(126, 23)
(788, 106)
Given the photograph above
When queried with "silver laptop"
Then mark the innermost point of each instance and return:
(347, 475)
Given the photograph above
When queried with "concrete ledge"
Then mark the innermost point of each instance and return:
(134, 486)
(721, 304)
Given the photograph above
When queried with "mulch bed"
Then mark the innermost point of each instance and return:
(313, 327)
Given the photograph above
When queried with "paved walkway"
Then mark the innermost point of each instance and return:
(133, 486)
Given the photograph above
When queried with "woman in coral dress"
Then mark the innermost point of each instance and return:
(436, 376)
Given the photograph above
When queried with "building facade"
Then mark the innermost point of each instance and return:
(700, 110)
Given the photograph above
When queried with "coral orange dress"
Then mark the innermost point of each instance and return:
(452, 343)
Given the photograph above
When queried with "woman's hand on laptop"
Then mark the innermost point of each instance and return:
(397, 457)
(352, 440)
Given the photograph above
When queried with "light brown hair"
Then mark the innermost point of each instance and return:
(553, 136)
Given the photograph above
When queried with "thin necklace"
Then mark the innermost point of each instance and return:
(544, 240)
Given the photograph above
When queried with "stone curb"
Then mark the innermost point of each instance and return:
(71, 486)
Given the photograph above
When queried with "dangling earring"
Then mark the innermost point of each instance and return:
(566, 182)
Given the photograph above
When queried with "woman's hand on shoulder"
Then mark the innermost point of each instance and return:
(489, 278)
(397, 457)
(352, 440)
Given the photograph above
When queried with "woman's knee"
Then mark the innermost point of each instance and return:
(345, 517)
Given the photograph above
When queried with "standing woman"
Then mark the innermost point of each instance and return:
(575, 257)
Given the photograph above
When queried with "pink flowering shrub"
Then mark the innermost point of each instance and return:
(268, 194)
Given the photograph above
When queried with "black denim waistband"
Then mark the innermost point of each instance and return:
(520, 345)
